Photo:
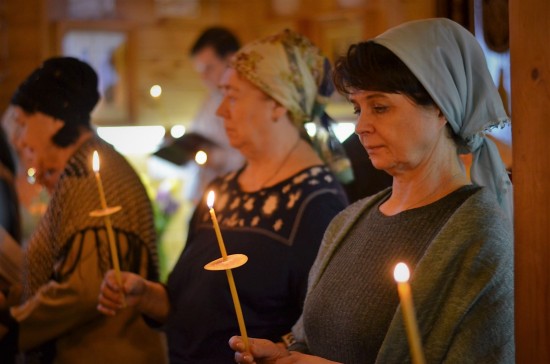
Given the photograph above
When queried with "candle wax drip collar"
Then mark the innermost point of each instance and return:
(106, 211)
(232, 261)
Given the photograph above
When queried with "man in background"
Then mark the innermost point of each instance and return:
(210, 55)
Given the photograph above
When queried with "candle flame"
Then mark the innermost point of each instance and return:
(210, 199)
(201, 157)
(95, 162)
(401, 273)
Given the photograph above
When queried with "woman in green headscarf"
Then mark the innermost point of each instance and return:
(422, 94)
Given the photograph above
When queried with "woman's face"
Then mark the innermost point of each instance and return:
(398, 134)
(33, 138)
(246, 110)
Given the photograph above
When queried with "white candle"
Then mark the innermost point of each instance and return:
(401, 275)
(232, 285)
(210, 203)
(107, 219)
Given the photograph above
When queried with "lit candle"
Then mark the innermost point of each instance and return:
(401, 275)
(210, 203)
(107, 219)
(232, 286)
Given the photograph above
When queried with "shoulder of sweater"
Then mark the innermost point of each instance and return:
(478, 224)
(481, 209)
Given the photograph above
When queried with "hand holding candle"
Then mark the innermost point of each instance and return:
(226, 263)
(401, 275)
(106, 212)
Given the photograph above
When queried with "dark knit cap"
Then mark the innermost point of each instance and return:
(62, 87)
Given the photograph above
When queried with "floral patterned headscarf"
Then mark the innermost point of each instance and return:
(294, 72)
(288, 68)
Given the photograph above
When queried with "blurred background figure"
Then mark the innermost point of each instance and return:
(210, 55)
(32, 197)
(367, 180)
(9, 203)
(10, 235)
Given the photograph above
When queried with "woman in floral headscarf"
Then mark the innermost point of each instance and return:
(274, 210)
(423, 94)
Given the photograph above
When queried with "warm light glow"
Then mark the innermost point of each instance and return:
(155, 91)
(311, 129)
(210, 199)
(95, 162)
(201, 157)
(133, 140)
(177, 131)
(31, 178)
(401, 273)
(343, 130)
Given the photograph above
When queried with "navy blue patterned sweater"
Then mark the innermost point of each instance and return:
(280, 229)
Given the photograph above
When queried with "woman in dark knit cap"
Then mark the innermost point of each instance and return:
(68, 254)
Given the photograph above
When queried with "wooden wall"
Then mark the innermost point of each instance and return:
(22, 42)
(530, 64)
(157, 48)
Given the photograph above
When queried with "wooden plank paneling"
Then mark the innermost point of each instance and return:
(25, 27)
(530, 66)
(158, 52)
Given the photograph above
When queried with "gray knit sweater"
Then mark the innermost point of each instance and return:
(462, 287)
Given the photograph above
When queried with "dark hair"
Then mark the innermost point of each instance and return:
(373, 67)
(222, 40)
(69, 132)
(64, 88)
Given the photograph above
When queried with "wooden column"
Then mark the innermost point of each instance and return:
(23, 39)
(530, 67)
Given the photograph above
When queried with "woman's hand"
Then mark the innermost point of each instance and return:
(260, 351)
(299, 358)
(112, 297)
(267, 352)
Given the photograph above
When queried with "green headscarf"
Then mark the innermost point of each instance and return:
(448, 61)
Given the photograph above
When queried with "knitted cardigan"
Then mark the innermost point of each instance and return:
(462, 287)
